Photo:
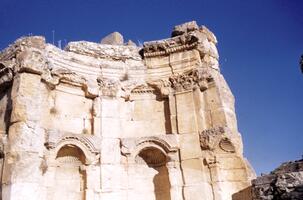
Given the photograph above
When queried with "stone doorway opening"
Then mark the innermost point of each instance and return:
(70, 179)
(155, 162)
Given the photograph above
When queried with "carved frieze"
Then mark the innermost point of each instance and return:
(143, 89)
(171, 45)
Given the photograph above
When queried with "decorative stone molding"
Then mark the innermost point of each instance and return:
(143, 89)
(163, 86)
(57, 76)
(165, 143)
(170, 45)
(160, 88)
(210, 139)
(196, 78)
(69, 160)
(89, 144)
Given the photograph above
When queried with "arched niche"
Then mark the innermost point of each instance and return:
(152, 161)
(70, 162)
(156, 143)
(85, 144)
(70, 178)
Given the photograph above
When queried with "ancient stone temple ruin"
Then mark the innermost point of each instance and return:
(116, 121)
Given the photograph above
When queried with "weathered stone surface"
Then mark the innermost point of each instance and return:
(285, 182)
(184, 28)
(114, 38)
(117, 121)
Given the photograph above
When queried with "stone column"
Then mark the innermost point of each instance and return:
(92, 189)
(50, 177)
(175, 179)
(220, 102)
(213, 166)
(186, 117)
(190, 151)
(173, 113)
(23, 173)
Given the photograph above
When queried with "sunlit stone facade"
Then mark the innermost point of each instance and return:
(117, 121)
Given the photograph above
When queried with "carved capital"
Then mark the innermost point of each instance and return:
(108, 87)
(190, 80)
(210, 139)
(163, 86)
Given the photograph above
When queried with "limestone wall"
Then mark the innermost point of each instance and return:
(101, 121)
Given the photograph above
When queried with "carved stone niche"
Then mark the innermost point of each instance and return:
(167, 144)
(193, 79)
(159, 89)
(89, 144)
(142, 92)
(217, 137)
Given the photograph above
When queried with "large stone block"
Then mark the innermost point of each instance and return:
(26, 137)
(113, 177)
(110, 151)
(192, 171)
(195, 192)
(186, 113)
(189, 146)
(21, 191)
(27, 95)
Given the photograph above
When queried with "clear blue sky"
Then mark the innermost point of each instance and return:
(260, 42)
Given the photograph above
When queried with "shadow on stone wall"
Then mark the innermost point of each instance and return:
(245, 194)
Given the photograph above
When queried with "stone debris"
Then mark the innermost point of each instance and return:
(284, 183)
(115, 121)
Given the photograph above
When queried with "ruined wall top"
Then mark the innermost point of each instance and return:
(88, 64)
